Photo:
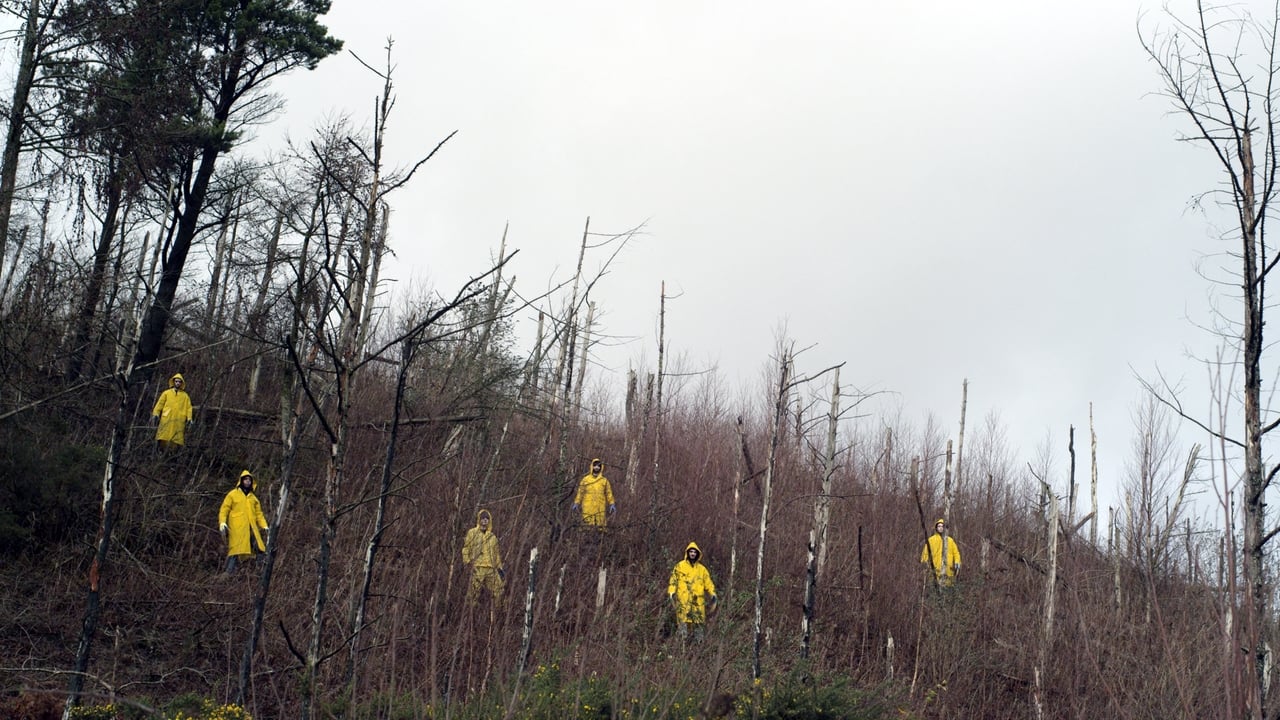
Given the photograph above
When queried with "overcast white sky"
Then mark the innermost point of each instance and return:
(929, 191)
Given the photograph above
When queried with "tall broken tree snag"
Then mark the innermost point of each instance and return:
(1093, 480)
(1050, 603)
(964, 408)
(775, 433)
(821, 520)
(777, 425)
(1219, 69)
(657, 420)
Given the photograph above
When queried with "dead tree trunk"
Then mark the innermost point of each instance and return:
(657, 422)
(821, 518)
(964, 407)
(1050, 600)
(1093, 479)
(775, 433)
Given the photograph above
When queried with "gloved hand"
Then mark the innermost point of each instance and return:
(613, 509)
(674, 603)
(714, 605)
(502, 575)
(223, 528)
(575, 507)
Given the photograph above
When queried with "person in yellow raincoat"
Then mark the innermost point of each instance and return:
(480, 551)
(691, 591)
(240, 520)
(942, 555)
(595, 496)
(173, 413)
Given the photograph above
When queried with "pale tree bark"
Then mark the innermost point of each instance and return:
(1093, 479)
(742, 472)
(964, 407)
(582, 365)
(775, 432)
(946, 494)
(633, 457)
(821, 519)
(257, 315)
(657, 421)
(222, 248)
(1050, 604)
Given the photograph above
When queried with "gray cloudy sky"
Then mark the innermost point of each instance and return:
(928, 190)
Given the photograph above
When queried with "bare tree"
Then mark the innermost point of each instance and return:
(1219, 68)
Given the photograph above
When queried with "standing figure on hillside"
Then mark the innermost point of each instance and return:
(942, 555)
(173, 413)
(691, 592)
(239, 521)
(595, 496)
(480, 551)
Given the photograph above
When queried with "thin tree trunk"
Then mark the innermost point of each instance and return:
(97, 275)
(1050, 600)
(257, 316)
(740, 464)
(657, 421)
(582, 366)
(964, 407)
(633, 458)
(379, 522)
(821, 517)
(946, 492)
(776, 424)
(290, 433)
(1093, 479)
(22, 85)
(1071, 476)
(130, 395)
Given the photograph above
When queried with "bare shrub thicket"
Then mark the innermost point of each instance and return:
(294, 356)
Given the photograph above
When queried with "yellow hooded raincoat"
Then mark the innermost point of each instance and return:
(594, 496)
(480, 551)
(933, 552)
(242, 514)
(173, 407)
(690, 585)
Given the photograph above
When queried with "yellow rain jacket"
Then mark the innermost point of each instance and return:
(594, 496)
(242, 514)
(173, 407)
(480, 551)
(480, 547)
(932, 555)
(690, 585)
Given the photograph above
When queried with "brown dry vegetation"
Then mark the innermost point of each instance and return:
(172, 624)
